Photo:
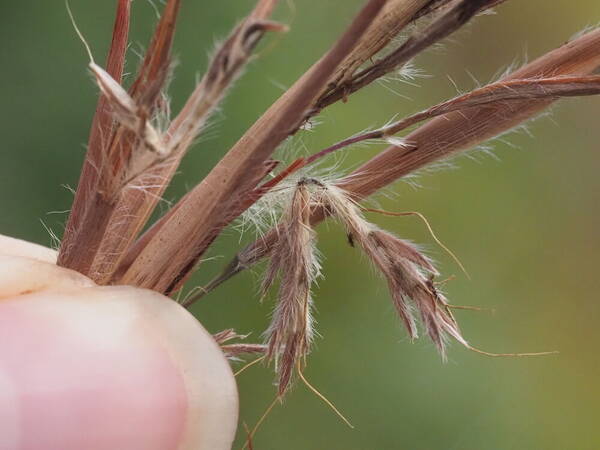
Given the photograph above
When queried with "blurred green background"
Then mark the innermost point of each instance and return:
(525, 225)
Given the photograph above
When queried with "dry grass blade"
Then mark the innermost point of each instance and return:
(133, 178)
(156, 171)
(433, 6)
(188, 234)
(392, 19)
(445, 135)
(440, 5)
(465, 128)
(510, 90)
(102, 125)
(457, 15)
(387, 25)
(492, 95)
(106, 163)
(225, 66)
(155, 66)
(139, 245)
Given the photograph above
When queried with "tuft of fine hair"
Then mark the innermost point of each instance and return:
(409, 273)
(294, 260)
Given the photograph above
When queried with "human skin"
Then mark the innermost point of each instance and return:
(94, 367)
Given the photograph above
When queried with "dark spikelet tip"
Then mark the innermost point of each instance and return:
(287, 362)
(255, 29)
(283, 384)
(271, 25)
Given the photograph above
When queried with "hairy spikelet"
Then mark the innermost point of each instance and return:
(408, 272)
(291, 331)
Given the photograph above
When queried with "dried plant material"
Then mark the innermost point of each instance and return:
(102, 122)
(127, 112)
(155, 66)
(458, 130)
(232, 351)
(431, 233)
(441, 6)
(200, 197)
(458, 14)
(227, 335)
(433, 6)
(188, 234)
(405, 282)
(408, 272)
(465, 128)
(102, 125)
(392, 19)
(409, 275)
(243, 159)
(293, 259)
(491, 95)
(110, 146)
(133, 179)
(225, 66)
(135, 150)
(278, 399)
(511, 355)
(157, 171)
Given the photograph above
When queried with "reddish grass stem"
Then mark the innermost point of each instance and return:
(446, 135)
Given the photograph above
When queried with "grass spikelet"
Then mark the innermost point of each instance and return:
(290, 333)
(409, 274)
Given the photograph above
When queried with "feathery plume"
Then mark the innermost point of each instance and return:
(290, 333)
(408, 272)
